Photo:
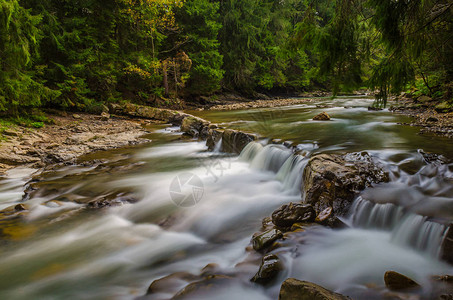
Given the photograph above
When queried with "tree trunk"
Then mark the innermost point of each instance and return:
(164, 69)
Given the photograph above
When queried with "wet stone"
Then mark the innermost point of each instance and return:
(204, 287)
(20, 207)
(265, 239)
(293, 289)
(324, 215)
(321, 117)
(298, 226)
(396, 281)
(269, 269)
(331, 180)
(171, 283)
(291, 213)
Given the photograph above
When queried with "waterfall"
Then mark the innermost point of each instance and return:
(217, 146)
(407, 229)
(291, 173)
(278, 159)
(250, 151)
(366, 214)
(416, 231)
(271, 158)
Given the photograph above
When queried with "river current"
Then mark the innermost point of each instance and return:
(179, 207)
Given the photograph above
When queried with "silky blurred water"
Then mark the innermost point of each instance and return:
(61, 248)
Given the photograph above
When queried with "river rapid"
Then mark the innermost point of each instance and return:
(178, 207)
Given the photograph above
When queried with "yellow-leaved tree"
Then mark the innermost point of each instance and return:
(153, 18)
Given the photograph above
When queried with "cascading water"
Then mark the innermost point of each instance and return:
(291, 173)
(416, 231)
(271, 158)
(62, 248)
(366, 214)
(250, 151)
(279, 159)
(407, 229)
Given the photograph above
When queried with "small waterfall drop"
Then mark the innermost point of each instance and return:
(271, 158)
(217, 146)
(280, 160)
(366, 214)
(416, 231)
(291, 173)
(250, 151)
(407, 229)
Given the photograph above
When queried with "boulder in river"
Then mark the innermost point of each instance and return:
(234, 141)
(265, 239)
(193, 125)
(204, 288)
(293, 289)
(269, 269)
(171, 283)
(322, 117)
(332, 180)
(291, 213)
(396, 281)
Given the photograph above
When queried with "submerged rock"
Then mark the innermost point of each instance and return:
(332, 180)
(20, 207)
(265, 239)
(293, 289)
(269, 269)
(171, 283)
(396, 281)
(291, 213)
(322, 117)
(203, 288)
(433, 158)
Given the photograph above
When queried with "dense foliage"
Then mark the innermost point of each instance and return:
(80, 54)
(387, 45)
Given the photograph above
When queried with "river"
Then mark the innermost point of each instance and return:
(62, 247)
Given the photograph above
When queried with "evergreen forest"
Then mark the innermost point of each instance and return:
(81, 54)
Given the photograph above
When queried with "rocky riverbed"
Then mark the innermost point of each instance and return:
(71, 136)
(326, 187)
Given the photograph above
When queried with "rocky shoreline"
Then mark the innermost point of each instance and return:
(427, 114)
(72, 136)
(262, 104)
